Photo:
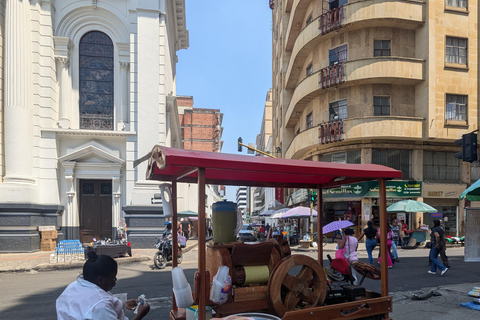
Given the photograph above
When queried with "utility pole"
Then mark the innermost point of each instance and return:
(313, 197)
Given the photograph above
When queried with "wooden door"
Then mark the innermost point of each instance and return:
(95, 210)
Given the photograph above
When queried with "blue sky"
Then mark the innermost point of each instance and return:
(228, 64)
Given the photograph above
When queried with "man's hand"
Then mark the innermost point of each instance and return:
(131, 304)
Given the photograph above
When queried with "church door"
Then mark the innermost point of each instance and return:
(95, 210)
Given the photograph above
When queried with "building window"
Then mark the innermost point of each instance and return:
(381, 106)
(352, 156)
(396, 159)
(336, 3)
(96, 81)
(456, 50)
(309, 70)
(309, 121)
(440, 166)
(338, 110)
(381, 48)
(309, 19)
(456, 107)
(457, 3)
(338, 55)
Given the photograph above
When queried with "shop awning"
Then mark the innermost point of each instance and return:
(472, 193)
(168, 164)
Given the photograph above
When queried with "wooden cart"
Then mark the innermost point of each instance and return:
(178, 165)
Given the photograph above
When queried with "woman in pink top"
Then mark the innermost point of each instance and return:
(351, 244)
(390, 236)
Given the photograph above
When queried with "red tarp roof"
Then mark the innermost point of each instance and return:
(168, 164)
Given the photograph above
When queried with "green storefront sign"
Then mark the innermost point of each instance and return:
(369, 189)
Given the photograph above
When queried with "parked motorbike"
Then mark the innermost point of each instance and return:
(164, 254)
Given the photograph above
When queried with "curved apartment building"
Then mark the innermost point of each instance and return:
(391, 82)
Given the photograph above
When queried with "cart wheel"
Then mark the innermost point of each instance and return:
(288, 292)
(368, 270)
(159, 260)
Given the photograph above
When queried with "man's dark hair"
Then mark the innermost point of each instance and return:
(436, 223)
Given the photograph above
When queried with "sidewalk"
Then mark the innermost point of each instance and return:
(40, 260)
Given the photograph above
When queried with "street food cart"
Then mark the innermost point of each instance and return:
(283, 292)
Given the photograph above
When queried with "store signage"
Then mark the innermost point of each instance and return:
(436, 215)
(369, 189)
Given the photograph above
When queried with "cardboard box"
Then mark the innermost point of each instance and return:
(51, 234)
(46, 228)
(48, 245)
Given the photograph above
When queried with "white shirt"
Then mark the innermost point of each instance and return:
(83, 300)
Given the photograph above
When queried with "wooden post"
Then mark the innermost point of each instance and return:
(320, 225)
(382, 197)
(202, 302)
(173, 200)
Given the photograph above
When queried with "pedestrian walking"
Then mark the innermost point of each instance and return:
(337, 232)
(395, 230)
(443, 251)
(438, 242)
(350, 243)
(370, 243)
(390, 236)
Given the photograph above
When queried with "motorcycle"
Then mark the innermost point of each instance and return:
(164, 254)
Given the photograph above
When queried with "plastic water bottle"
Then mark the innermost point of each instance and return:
(221, 285)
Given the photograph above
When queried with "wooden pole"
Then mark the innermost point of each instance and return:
(173, 200)
(382, 195)
(174, 226)
(202, 302)
(320, 225)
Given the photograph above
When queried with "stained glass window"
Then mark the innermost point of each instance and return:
(96, 81)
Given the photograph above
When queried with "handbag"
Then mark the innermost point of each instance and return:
(347, 252)
(343, 253)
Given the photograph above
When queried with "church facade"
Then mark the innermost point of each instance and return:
(87, 87)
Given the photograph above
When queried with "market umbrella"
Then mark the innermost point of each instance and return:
(279, 213)
(336, 225)
(411, 206)
(267, 213)
(472, 193)
(299, 212)
(186, 213)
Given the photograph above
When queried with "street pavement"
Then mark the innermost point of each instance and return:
(450, 290)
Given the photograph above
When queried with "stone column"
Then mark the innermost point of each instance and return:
(116, 199)
(70, 218)
(123, 114)
(18, 116)
(62, 55)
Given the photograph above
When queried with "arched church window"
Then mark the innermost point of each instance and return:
(96, 81)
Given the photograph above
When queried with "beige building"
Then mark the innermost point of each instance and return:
(389, 82)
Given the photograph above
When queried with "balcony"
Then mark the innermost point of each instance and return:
(355, 130)
(331, 20)
(295, 23)
(391, 127)
(331, 132)
(391, 70)
(332, 76)
(405, 14)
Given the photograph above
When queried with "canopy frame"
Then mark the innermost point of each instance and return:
(178, 165)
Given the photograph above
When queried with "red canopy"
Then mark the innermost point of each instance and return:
(168, 164)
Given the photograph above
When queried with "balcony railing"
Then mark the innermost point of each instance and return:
(331, 132)
(331, 20)
(332, 76)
